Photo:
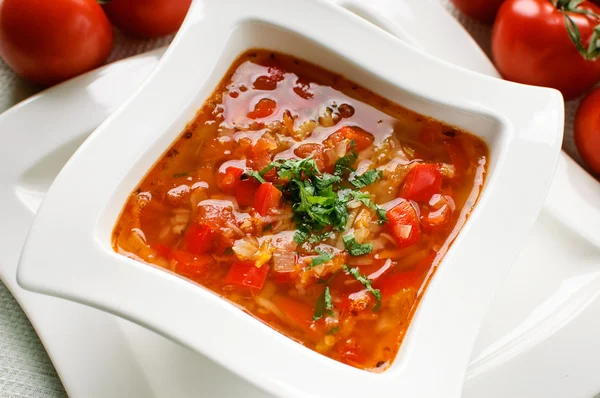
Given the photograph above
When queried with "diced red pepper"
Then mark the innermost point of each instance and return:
(361, 138)
(191, 265)
(404, 224)
(245, 192)
(228, 180)
(263, 108)
(198, 238)
(162, 250)
(298, 313)
(267, 198)
(421, 183)
(247, 274)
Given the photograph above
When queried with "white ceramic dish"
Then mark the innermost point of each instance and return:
(81, 212)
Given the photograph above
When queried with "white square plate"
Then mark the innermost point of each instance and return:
(68, 252)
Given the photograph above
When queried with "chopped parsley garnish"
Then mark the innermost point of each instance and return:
(365, 199)
(180, 175)
(322, 258)
(256, 175)
(355, 248)
(333, 330)
(368, 178)
(320, 237)
(229, 251)
(366, 282)
(314, 201)
(344, 164)
(267, 227)
(324, 305)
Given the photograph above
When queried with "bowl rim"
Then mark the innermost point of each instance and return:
(532, 128)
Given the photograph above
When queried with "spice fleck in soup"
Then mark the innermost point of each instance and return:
(319, 207)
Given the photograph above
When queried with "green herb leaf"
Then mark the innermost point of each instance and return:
(267, 227)
(366, 282)
(368, 178)
(300, 236)
(322, 258)
(256, 175)
(180, 175)
(320, 237)
(229, 251)
(345, 163)
(355, 248)
(333, 330)
(324, 305)
(365, 199)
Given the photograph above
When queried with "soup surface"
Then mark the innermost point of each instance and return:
(319, 207)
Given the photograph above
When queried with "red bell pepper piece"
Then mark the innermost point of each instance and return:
(421, 183)
(228, 180)
(191, 265)
(245, 191)
(247, 274)
(267, 198)
(404, 224)
(198, 238)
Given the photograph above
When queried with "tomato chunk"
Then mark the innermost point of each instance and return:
(298, 313)
(229, 180)
(406, 279)
(314, 150)
(198, 238)
(404, 224)
(191, 265)
(162, 250)
(361, 138)
(263, 108)
(245, 191)
(267, 198)
(421, 183)
(247, 274)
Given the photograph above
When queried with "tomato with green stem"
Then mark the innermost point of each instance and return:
(587, 131)
(548, 43)
(51, 41)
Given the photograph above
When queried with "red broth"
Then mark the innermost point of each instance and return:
(319, 207)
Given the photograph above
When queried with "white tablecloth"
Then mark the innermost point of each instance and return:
(25, 370)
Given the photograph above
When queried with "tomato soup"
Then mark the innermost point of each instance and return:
(317, 206)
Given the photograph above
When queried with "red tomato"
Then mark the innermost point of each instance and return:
(147, 18)
(263, 108)
(51, 41)
(404, 224)
(406, 279)
(531, 45)
(298, 313)
(191, 265)
(245, 191)
(481, 10)
(162, 250)
(247, 274)
(361, 138)
(198, 238)
(587, 130)
(421, 183)
(438, 215)
(267, 198)
(229, 180)
(316, 151)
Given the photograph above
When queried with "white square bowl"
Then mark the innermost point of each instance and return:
(68, 251)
